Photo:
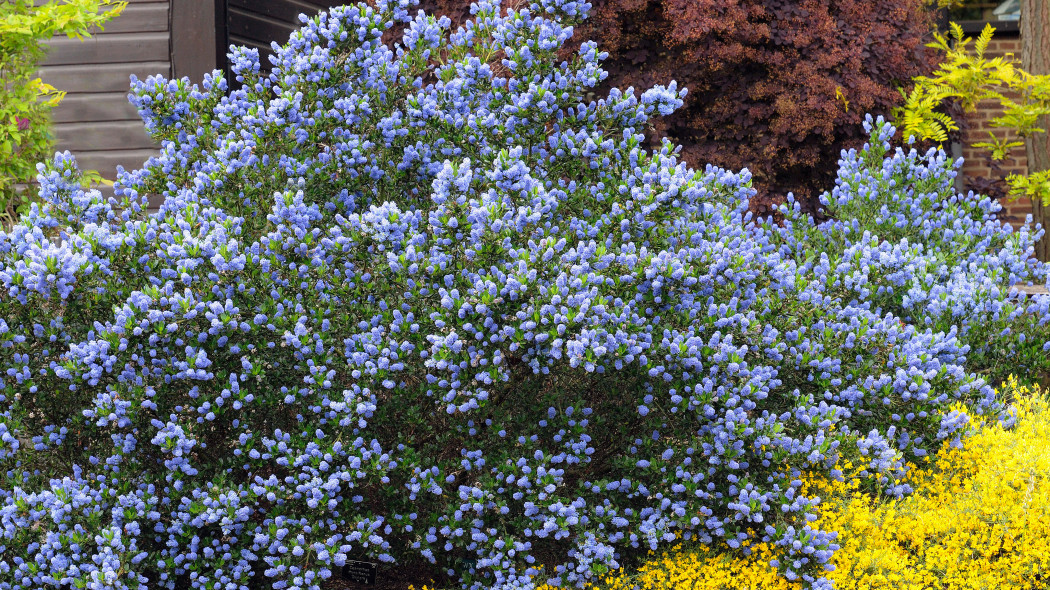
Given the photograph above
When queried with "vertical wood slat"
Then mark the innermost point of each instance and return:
(197, 37)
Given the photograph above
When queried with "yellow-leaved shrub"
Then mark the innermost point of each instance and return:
(979, 519)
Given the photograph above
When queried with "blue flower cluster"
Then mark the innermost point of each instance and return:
(430, 303)
(900, 240)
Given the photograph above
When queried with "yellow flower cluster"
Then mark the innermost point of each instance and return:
(979, 519)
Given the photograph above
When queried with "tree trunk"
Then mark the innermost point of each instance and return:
(1035, 59)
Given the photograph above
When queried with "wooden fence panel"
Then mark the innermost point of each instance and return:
(95, 121)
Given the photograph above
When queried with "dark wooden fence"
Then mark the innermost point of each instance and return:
(95, 121)
(168, 37)
(256, 23)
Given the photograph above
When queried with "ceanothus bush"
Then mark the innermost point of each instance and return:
(901, 240)
(426, 302)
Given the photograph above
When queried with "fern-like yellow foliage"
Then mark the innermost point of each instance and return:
(968, 77)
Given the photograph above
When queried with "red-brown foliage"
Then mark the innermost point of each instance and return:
(768, 80)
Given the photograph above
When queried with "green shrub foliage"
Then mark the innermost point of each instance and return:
(25, 100)
(426, 303)
(967, 78)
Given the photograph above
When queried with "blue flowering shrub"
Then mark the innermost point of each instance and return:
(428, 303)
(900, 240)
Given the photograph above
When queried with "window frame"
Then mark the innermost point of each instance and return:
(974, 27)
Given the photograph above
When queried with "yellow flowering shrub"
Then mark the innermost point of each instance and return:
(979, 519)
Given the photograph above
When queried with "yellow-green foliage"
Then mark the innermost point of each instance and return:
(25, 100)
(979, 519)
(968, 77)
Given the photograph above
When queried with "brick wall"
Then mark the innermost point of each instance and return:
(979, 124)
